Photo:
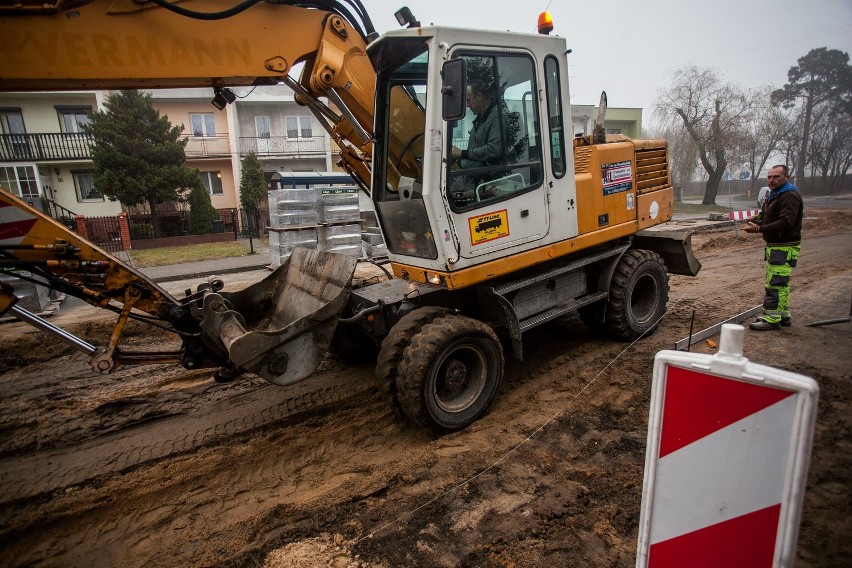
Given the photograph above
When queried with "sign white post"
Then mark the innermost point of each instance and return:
(729, 444)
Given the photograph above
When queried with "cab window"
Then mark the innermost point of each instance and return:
(494, 151)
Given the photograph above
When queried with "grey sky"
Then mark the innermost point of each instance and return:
(630, 48)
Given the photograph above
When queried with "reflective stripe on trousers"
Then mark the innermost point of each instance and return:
(780, 261)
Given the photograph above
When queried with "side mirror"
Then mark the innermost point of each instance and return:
(453, 89)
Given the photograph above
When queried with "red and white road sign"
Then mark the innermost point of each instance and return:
(14, 224)
(728, 449)
(742, 215)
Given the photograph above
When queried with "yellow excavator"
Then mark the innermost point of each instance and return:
(496, 217)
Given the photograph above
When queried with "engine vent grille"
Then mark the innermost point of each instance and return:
(652, 169)
(582, 160)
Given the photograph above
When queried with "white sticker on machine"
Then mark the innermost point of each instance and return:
(655, 209)
(630, 201)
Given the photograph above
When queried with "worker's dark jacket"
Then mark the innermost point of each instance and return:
(484, 147)
(782, 216)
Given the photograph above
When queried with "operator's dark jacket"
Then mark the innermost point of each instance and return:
(782, 217)
(484, 147)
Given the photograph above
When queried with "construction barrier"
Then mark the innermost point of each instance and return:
(742, 215)
(729, 444)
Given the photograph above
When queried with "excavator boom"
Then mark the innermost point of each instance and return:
(122, 44)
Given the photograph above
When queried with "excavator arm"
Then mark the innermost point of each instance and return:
(124, 44)
(121, 44)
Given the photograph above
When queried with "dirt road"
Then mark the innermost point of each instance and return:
(159, 466)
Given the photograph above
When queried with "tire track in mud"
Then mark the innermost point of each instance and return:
(26, 476)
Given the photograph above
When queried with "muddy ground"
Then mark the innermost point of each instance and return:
(159, 466)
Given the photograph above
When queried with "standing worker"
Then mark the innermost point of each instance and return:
(780, 225)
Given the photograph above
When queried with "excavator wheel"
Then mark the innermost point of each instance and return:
(638, 294)
(393, 346)
(450, 373)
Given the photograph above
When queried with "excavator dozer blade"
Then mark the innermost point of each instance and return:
(674, 246)
(280, 327)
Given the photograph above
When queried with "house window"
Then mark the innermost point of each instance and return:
(202, 124)
(12, 121)
(213, 182)
(613, 131)
(19, 180)
(261, 125)
(72, 119)
(299, 127)
(85, 184)
(12, 124)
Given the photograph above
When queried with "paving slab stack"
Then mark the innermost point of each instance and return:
(318, 218)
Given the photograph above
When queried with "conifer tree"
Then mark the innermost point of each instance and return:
(138, 155)
(252, 186)
(201, 209)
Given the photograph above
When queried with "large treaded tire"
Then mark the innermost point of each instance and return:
(638, 295)
(450, 373)
(393, 346)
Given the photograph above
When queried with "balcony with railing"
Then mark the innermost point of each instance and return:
(313, 147)
(207, 146)
(42, 147)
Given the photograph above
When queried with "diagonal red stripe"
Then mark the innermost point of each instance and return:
(743, 542)
(697, 405)
(16, 229)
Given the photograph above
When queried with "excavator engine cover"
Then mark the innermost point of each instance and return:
(280, 327)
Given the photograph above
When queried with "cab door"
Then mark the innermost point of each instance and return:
(494, 176)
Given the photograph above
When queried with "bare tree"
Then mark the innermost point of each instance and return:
(822, 76)
(712, 112)
(831, 148)
(762, 136)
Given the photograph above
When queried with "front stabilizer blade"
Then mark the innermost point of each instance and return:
(675, 247)
(280, 328)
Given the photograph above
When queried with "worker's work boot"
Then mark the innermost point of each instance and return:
(786, 321)
(762, 325)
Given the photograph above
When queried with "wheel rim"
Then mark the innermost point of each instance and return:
(459, 378)
(643, 300)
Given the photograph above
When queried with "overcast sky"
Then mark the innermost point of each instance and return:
(630, 48)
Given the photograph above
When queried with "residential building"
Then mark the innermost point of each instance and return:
(43, 152)
(627, 121)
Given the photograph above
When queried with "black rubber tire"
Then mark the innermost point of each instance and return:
(450, 373)
(638, 295)
(393, 346)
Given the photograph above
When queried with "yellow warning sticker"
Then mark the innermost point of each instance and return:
(484, 228)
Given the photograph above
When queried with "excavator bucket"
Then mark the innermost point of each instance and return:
(674, 246)
(280, 327)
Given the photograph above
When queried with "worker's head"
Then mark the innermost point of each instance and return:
(777, 177)
(478, 99)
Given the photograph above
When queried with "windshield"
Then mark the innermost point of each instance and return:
(401, 125)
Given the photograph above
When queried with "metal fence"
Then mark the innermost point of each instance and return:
(52, 146)
(178, 224)
(281, 145)
(105, 232)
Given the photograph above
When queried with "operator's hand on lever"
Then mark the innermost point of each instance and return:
(456, 158)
